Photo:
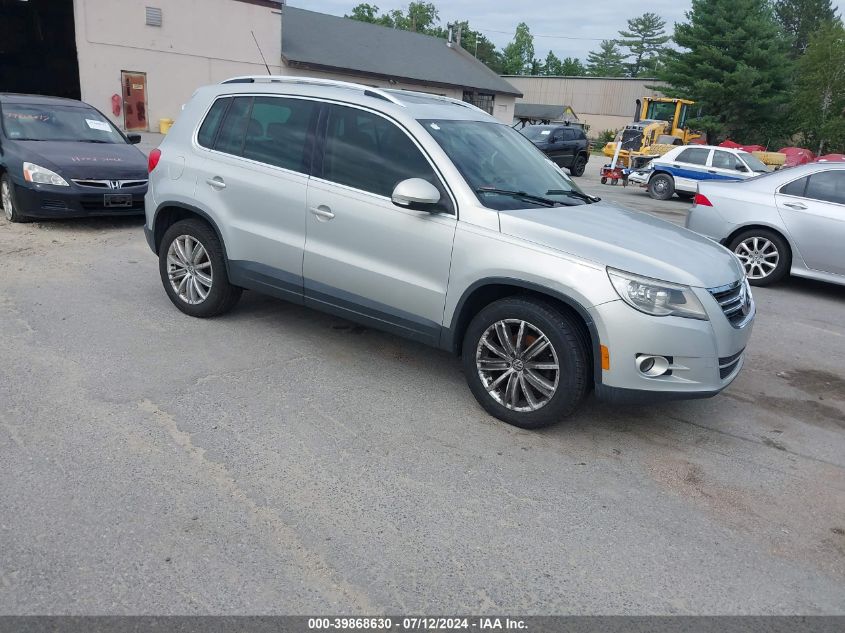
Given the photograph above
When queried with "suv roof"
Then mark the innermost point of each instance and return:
(418, 105)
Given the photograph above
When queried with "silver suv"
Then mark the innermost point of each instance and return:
(426, 217)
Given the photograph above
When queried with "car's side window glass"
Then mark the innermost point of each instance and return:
(725, 160)
(569, 135)
(368, 152)
(277, 132)
(230, 139)
(209, 127)
(828, 186)
(693, 155)
(795, 188)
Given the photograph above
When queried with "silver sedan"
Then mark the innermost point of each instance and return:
(790, 221)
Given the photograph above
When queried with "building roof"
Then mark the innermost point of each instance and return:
(327, 42)
(543, 112)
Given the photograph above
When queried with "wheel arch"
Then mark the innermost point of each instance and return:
(168, 213)
(485, 291)
(767, 227)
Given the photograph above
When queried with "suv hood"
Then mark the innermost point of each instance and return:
(86, 160)
(628, 240)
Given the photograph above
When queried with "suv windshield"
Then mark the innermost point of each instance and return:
(537, 132)
(754, 163)
(505, 169)
(28, 122)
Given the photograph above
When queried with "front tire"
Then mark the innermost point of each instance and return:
(764, 254)
(7, 195)
(192, 266)
(526, 362)
(578, 166)
(661, 186)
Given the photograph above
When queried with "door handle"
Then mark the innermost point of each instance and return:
(795, 205)
(322, 212)
(217, 183)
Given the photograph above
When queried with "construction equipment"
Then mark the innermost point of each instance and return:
(659, 125)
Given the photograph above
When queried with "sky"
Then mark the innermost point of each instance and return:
(575, 27)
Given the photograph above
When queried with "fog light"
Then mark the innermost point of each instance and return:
(652, 366)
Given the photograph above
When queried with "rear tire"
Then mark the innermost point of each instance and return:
(7, 196)
(530, 380)
(661, 186)
(192, 266)
(578, 166)
(764, 254)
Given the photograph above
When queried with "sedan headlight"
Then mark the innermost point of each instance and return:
(42, 176)
(655, 297)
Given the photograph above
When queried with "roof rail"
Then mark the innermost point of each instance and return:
(367, 90)
(441, 98)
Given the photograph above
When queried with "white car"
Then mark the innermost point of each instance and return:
(680, 170)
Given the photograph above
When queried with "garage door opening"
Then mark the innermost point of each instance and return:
(38, 48)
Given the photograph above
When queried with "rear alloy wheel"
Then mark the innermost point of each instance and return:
(661, 186)
(193, 270)
(7, 195)
(764, 254)
(526, 362)
(578, 166)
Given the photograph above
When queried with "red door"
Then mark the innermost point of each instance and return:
(134, 100)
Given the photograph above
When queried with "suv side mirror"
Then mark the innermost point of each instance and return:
(415, 193)
(133, 139)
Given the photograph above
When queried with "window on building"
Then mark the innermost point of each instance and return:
(154, 16)
(694, 155)
(480, 100)
(278, 132)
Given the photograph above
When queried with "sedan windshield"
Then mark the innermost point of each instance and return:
(754, 163)
(29, 122)
(503, 168)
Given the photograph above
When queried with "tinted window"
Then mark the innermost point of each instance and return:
(795, 188)
(368, 152)
(694, 155)
(209, 127)
(569, 135)
(725, 160)
(581, 136)
(828, 186)
(278, 131)
(230, 139)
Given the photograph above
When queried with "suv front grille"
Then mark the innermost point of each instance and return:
(735, 301)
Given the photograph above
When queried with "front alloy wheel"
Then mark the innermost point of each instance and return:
(189, 269)
(518, 365)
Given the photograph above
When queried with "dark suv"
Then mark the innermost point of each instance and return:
(566, 145)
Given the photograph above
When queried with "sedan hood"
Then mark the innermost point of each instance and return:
(628, 240)
(102, 161)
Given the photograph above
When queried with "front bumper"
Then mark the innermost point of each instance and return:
(705, 356)
(49, 201)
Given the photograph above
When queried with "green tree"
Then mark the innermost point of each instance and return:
(552, 65)
(801, 18)
(518, 56)
(369, 13)
(572, 67)
(733, 63)
(608, 61)
(482, 48)
(818, 106)
(645, 40)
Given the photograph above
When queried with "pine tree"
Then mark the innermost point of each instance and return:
(607, 61)
(552, 65)
(519, 54)
(733, 64)
(818, 106)
(644, 39)
(572, 67)
(801, 18)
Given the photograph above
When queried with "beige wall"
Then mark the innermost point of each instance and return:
(199, 42)
(604, 104)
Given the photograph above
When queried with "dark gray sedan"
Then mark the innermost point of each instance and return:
(790, 221)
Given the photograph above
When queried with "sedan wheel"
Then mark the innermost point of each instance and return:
(759, 256)
(518, 365)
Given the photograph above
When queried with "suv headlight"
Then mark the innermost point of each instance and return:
(42, 175)
(655, 297)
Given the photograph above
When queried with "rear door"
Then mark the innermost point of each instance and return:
(254, 177)
(570, 146)
(813, 210)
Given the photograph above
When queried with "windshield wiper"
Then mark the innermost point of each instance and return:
(573, 194)
(521, 195)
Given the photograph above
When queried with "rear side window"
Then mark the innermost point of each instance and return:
(828, 186)
(568, 135)
(277, 132)
(230, 138)
(368, 152)
(209, 127)
(795, 188)
(694, 155)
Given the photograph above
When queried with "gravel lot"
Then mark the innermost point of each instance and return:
(277, 460)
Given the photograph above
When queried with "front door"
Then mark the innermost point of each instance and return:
(134, 101)
(365, 256)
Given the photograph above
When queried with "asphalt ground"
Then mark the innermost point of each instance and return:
(277, 460)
